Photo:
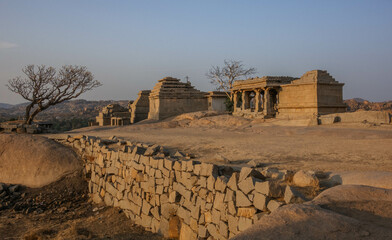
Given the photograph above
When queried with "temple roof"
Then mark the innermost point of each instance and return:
(319, 76)
(314, 76)
(266, 81)
(170, 87)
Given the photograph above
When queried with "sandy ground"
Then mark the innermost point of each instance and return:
(286, 145)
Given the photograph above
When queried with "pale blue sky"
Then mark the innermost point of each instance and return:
(129, 45)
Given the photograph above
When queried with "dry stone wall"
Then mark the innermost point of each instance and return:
(176, 196)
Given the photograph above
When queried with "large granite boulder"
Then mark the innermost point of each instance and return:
(34, 161)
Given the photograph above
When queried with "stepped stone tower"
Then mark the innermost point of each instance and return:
(315, 93)
(171, 97)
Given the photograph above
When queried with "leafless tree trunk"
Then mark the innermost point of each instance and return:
(45, 87)
(224, 77)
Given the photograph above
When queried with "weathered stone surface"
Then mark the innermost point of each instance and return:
(151, 150)
(194, 224)
(223, 229)
(146, 207)
(213, 231)
(179, 154)
(97, 199)
(247, 185)
(125, 204)
(197, 169)
(260, 201)
(155, 213)
(189, 182)
(305, 179)
(177, 166)
(203, 193)
(248, 212)
(168, 210)
(229, 196)
(110, 189)
(233, 224)
(245, 172)
(293, 196)
(242, 200)
(208, 169)
(164, 228)
(184, 214)
(189, 166)
(187, 233)
(202, 182)
(108, 200)
(270, 188)
(211, 183)
(159, 189)
(146, 221)
(244, 223)
(173, 197)
(136, 209)
(221, 183)
(231, 208)
(195, 212)
(182, 190)
(258, 216)
(168, 164)
(202, 232)
(219, 201)
(208, 217)
(155, 225)
(232, 183)
(273, 205)
(112, 170)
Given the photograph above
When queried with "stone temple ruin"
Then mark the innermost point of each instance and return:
(171, 97)
(168, 98)
(113, 114)
(315, 93)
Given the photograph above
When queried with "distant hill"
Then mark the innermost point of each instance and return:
(357, 104)
(6, 105)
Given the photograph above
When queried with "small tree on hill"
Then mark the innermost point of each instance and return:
(45, 87)
(224, 77)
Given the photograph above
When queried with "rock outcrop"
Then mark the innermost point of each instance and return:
(34, 161)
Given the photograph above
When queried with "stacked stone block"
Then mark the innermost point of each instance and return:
(176, 196)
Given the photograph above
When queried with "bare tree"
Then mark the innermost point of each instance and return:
(225, 76)
(45, 87)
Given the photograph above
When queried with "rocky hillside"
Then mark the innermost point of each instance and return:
(5, 105)
(66, 110)
(356, 104)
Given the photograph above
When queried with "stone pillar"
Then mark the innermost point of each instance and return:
(235, 100)
(257, 100)
(267, 102)
(247, 100)
(243, 100)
